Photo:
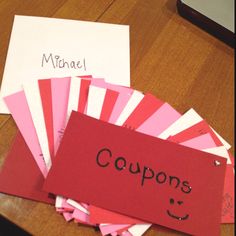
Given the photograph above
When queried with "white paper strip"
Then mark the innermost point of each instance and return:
(73, 95)
(96, 97)
(77, 205)
(134, 100)
(220, 151)
(35, 105)
(139, 229)
(59, 200)
(187, 120)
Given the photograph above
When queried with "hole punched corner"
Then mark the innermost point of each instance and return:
(217, 163)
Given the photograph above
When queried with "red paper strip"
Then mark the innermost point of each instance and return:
(46, 98)
(84, 87)
(194, 131)
(149, 104)
(108, 104)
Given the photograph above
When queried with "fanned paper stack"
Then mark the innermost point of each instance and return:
(41, 111)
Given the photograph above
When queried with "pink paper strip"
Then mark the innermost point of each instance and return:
(67, 206)
(68, 216)
(114, 234)
(201, 142)
(81, 217)
(17, 105)
(60, 210)
(60, 94)
(107, 229)
(159, 121)
(126, 233)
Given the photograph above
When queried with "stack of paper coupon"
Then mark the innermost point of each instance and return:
(104, 154)
(42, 110)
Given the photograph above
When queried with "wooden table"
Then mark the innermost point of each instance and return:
(170, 57)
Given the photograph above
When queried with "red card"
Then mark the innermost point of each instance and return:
(46, 98)
(20, 175)
(108, 104)
(138, 175)
(98, 215)
(83, 94)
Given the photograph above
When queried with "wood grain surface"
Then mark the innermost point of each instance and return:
(170, 57)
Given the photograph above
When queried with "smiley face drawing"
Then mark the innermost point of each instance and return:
(172, 202)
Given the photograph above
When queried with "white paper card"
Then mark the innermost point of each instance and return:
(73, 95)
(42, 47)
(96, 98)
(59, 200)
(35, 105)
(77, 205)
(139, 229)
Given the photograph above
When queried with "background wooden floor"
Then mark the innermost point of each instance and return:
(170, 57)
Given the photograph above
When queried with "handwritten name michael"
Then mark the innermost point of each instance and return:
(57, 61)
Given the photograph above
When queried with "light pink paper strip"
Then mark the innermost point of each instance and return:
(60, 95)
(107, 229)
(114, 234)
(160, 120)
(98, 82)
(60, 210)
(81, 217)
(201, 142)
(68, 216)
(17, 105)
(67, 206)
(126, 233)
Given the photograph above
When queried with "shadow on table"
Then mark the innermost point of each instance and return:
(9, 229)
